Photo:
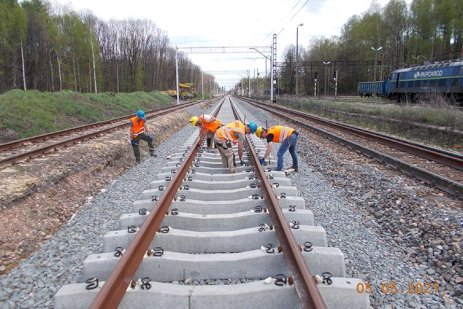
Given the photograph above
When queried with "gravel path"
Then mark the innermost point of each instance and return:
(359, 203)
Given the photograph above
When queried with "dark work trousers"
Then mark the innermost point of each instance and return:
(136, 146)
(226, 154)
(210, 140)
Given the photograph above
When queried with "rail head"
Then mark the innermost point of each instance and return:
(114, 289)
(305, 284)
(111, 126)
(445, 184)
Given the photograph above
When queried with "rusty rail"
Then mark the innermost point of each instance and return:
(448, 185)
(115, 287)
(305, 284)
(70, 141)
(44, 137)
(434, 154)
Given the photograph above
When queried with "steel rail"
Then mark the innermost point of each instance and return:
(443, 183)
(114, 288)
(70, 141)
(43, 137)
(434, 154)
(305, 284)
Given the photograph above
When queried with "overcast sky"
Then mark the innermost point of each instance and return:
(209, 23)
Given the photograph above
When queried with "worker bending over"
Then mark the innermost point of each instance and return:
(228, 135)
(279, 134)
(139, 131)
(207, 124)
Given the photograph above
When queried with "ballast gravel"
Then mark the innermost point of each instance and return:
(381, 221)
(59, 261)
(358, 204)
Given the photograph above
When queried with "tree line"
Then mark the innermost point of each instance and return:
(397, 35)
(52, 49)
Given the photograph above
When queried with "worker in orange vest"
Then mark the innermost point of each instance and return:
(139, 131)
(226, 136)
(207, 124)
(279, 134)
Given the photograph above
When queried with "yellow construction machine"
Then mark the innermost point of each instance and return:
(187, 91)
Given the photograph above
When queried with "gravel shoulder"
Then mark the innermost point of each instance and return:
(59, 259)
(393, 230)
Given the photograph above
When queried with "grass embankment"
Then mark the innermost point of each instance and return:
(29, 113)
(436, 125)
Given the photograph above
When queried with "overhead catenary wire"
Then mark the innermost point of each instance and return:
(294, 16)
(284, 24)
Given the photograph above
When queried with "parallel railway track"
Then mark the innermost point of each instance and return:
(37, 146)
(434, 166)
(204, 238)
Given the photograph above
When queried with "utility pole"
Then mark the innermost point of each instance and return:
(315, 84)
(176, 73)
(326, 75)
(94, 69)
(274, 67)
(249, 83)
(376, 50)
(202, 85)
(297, 58)
(315, 88)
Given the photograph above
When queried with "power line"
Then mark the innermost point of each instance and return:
(282, 21)
(222, 49)
(293, 16)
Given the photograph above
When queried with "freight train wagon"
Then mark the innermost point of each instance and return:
(368, 89)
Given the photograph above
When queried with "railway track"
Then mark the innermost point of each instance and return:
(204, 238)
(42, 145)
(434, 166)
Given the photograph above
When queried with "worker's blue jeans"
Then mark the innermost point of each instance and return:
(289, 143)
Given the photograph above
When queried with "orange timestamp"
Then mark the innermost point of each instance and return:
(391, 287)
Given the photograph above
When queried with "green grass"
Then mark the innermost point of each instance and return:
(423, 114)
(29, 113)
(429, 124)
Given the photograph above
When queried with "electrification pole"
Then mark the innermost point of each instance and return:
(376, 50)
(274, 68)
(176, 74)
(297, 58)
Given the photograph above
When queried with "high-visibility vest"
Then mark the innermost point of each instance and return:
(138, 126)
(226, 133)
(207, 124)
(280, 133)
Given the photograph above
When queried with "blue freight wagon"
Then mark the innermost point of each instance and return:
(368, 89)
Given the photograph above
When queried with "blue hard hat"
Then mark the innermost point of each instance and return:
(252, 126)
(140, 114)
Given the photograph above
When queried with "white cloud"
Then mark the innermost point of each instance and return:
(205, 23)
